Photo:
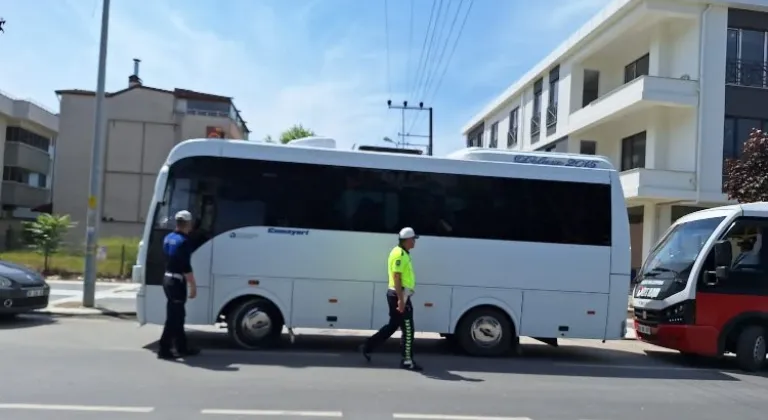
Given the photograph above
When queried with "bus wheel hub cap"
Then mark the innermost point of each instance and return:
(256, 323)
(486, 331)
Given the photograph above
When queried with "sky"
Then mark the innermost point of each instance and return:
(330, 65)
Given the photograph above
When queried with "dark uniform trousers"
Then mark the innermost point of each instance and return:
(175, 314)
(403, 321)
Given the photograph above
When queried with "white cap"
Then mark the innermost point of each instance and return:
(184, 215)
(408, 233)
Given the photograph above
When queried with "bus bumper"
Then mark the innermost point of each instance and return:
(683, 338)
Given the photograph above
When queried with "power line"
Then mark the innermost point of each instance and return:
(429, 46)
(423, 47)
(429, 73)
(386, 40)
(450, 56)
(410, 46)
(441, 54)
(453, 49)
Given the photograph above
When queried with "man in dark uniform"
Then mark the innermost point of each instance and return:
(402, 282)
(178, 275)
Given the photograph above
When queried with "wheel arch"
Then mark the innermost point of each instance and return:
(736, 324)
(238, 297)
(487, 302)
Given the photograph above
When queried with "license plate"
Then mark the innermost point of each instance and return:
(35, 292)
(644, 329)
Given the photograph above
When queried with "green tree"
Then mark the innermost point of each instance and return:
(295, 132)
(747, 176)
(46, 234)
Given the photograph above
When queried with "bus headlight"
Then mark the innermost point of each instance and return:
(681, 313)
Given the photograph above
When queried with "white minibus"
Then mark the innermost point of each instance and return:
(511, 244)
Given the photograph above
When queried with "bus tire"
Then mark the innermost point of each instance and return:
(485, 332)
(751, 348)
(255, 323)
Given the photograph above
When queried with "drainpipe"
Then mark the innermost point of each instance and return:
(700, 110)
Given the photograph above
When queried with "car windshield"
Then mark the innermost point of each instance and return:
(681, 245)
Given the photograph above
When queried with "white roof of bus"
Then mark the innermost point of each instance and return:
(474, 161)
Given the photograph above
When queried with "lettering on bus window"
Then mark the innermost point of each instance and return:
(324, 197)
(542, 160)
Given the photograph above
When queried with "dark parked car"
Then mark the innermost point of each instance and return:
(21, 290)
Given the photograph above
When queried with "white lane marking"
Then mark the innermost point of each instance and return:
(57, 407)
(412, 416)
(636, 367)
(274, 413)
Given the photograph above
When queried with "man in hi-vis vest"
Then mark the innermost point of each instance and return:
(402, 282)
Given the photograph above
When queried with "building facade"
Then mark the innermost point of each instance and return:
(27, 135)
(664, 89)
(142, 125)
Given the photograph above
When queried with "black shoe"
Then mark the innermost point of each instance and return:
(410, 365)
(364, 352)
(166, 355)
(189, 352)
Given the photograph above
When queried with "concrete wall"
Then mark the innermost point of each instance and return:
(142, 127)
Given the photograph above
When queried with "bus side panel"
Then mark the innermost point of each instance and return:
(563, 314)
(621, 255)
(618, 301)
(431, 307)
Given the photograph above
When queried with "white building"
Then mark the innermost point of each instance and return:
(653, 85)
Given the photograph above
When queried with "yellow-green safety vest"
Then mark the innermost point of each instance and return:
(400, 262)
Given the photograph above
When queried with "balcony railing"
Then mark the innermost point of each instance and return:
(551, 115)
(746, 73)
(535, 125)
(512, 137)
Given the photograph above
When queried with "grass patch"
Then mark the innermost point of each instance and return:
(121, 255)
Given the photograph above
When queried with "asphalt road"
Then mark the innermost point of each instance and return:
(86, 369)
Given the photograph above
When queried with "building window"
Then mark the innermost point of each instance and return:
(736, 133)
(536, 115)
(591, 87)
(24, 176)
(494, 143)
(211, 109)
(554, 78)
(637, 68)
(514, 124)
(20, 135)
(475, 136)
(588, 147)
(746, 58)
(633, 152)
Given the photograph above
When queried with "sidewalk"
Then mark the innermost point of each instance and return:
(116, 302)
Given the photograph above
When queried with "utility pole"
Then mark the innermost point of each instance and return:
(94, 206)
(403, 134)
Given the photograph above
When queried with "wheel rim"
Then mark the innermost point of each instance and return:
(255, 325)
(758, 351)
(486, 331)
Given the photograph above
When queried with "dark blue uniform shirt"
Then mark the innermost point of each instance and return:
(177, 250)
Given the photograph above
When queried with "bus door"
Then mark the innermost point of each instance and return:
(745, 290)
(184, 191)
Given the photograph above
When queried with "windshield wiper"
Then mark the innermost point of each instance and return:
(658, 270)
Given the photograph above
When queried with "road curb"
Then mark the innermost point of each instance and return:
(86, 313)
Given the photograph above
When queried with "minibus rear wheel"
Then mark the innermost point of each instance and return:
(485, 331)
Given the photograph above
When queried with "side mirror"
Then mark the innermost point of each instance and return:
(723, 254)
(723, 258)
